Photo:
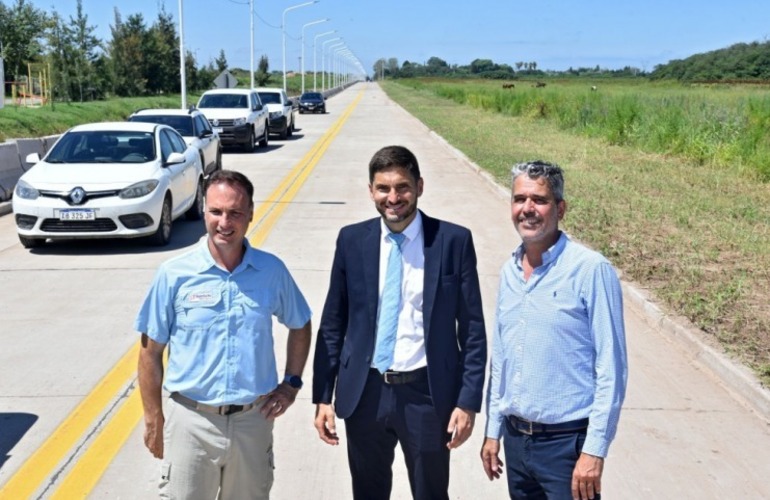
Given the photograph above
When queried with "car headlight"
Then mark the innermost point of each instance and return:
(139, 189)
(239, 121)
(274, 115)
(26, 191)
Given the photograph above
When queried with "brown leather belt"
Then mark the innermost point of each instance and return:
(529, 428)
(216, 410)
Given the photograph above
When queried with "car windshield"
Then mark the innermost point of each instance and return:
(311, 96)
(270, 97)
(182, 124)
(224, 101)
(103, 146)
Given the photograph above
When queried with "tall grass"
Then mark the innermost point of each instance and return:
(724, 127)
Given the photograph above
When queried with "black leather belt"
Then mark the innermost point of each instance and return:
(395, 378)
(529, 428)
(216, 410)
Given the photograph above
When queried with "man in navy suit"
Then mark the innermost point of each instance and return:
(426, 393)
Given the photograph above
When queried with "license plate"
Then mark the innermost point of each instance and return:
(217, 130)
(77, 214)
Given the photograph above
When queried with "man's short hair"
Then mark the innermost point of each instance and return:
(394, 156)
(538, 169)
(231, 178)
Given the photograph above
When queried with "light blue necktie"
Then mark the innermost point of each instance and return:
(387, 324)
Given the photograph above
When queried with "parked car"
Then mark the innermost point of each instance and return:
(312, 102)
(281, 109)
(109, 180)
(193, 126)
(237, 115)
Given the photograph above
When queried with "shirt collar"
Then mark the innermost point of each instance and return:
(549, 255)
(411, 232)
(205, 260)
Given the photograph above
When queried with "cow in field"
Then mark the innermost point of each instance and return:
(539, 84)
(508, 85)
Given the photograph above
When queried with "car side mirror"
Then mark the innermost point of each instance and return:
(258, 107)
(206, 133)
(290, 103)
(32, 158)
(174, 158)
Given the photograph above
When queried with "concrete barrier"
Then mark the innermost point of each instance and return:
(10, 169)
(27, 146)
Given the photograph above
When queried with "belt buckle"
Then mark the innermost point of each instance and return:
(527, 429)
(387, 377)
(230, 409)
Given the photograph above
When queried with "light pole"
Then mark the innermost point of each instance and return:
(323, 59)
(283, 34)
(314, 52)
(331, 53)
(251, 51)
(182, 73)
(302, 61)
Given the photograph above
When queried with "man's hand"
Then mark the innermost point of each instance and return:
(490, 458)
(153, 435)
(325, 424)
(278, 401)
(587, 477)
(460, 427)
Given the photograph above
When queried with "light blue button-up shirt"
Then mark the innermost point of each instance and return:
(559, 350)
(218, 325)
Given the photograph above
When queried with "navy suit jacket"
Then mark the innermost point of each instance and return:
(455, 337)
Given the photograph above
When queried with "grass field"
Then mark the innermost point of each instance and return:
(692, 229)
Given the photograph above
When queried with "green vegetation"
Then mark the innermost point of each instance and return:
(747, 62)
(725, 126)
(696, 233)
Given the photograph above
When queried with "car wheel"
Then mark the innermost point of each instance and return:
(248, 146)
(162, 236)
(285, 132)
(31, 242)
(263, 142)
(302, 111)
(195, 212)
(290, 131)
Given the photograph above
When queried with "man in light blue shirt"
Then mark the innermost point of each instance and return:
(213, 308)
(558, 368)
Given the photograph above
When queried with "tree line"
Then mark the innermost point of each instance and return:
(139, 59)
(739, 62)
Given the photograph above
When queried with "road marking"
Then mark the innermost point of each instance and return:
(40, 465)
(90, 467)
(270, 211)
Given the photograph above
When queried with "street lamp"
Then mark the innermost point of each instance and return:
(314, 52)
(302, 61)
(182, 71)
(323, 63)
(283, 34)
(323, 59)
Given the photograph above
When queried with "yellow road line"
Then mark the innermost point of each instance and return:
(41, 464)
(95, 460)
(271, 209)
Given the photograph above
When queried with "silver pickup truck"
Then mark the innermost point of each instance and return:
(281, 108)
(237, 115)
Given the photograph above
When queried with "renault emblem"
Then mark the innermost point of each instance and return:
(77, 195)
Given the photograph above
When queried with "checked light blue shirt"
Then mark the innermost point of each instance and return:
(559, 351)
(218, 325)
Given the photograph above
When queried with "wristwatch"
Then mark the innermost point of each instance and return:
(294, 381)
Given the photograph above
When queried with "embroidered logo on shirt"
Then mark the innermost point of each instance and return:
(201, 298)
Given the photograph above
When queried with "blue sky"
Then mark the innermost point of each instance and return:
(556, 34)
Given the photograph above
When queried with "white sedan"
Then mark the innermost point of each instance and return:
(109, 180)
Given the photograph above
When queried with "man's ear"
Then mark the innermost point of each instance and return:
(562, 208)
(420, 186)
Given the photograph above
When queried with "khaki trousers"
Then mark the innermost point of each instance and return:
(210, 457)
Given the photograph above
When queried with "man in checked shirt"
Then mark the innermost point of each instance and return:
(558, 368)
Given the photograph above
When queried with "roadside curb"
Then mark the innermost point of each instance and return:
(5, 208)
(735, 377)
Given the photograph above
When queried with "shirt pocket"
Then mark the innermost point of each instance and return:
(199, 308)
(257, 307)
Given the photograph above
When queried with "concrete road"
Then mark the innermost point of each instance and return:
(68, 309)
